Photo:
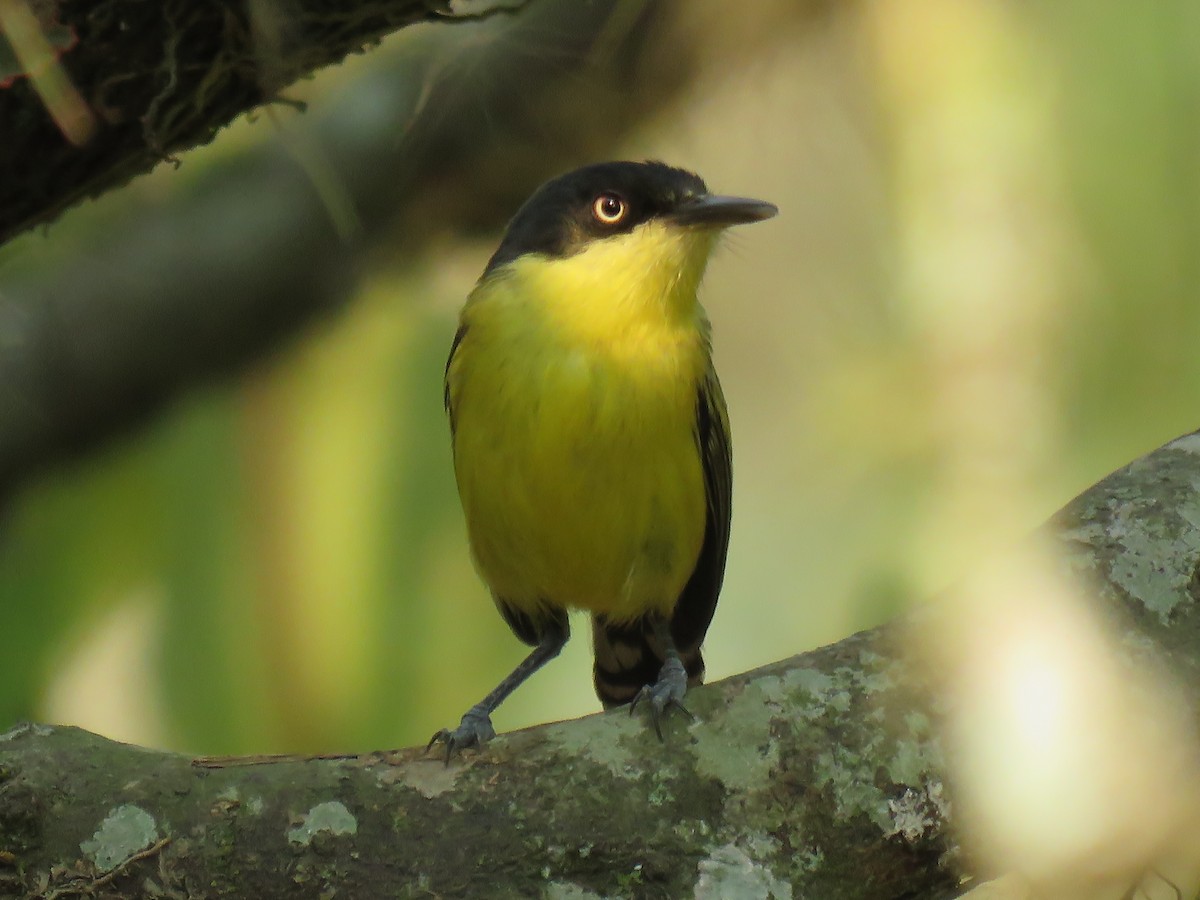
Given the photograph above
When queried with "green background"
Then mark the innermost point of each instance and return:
(979, 297)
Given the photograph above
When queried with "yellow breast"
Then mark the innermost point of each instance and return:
(574, 401)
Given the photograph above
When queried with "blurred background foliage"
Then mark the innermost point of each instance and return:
(980, 296)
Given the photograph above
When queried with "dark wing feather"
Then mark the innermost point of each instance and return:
(695, 607)
(530, 627)
(458, 336)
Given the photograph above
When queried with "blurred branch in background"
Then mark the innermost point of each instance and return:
(455, 129)
(831, 774)
(141, 82)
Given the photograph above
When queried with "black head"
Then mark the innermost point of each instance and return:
(607, 199)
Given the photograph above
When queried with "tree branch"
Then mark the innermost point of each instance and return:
(818, 776)
(154, 79)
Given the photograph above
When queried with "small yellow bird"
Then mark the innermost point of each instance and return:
(590, 436)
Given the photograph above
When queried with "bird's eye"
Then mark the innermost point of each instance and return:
(609, 208)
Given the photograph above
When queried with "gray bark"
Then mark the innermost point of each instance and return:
(818, 776)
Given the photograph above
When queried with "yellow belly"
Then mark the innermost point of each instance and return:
(579, 473)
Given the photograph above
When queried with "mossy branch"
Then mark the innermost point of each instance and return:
(819, 776)
(149, 80)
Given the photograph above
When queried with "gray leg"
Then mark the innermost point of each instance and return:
(476, 725)
(667, 692)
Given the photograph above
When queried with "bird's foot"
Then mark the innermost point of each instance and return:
(474, 730)
(666, 693)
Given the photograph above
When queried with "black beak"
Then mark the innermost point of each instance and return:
(709, 211)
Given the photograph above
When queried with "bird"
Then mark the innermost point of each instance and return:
(589, 432)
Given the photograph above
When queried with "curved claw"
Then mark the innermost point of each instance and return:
(474, 730)
(665, 694)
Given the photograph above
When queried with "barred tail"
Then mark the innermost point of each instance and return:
(629, 656)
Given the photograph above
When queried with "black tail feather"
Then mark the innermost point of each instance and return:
(629, 656)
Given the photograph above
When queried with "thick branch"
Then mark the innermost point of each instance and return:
(819, 776)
